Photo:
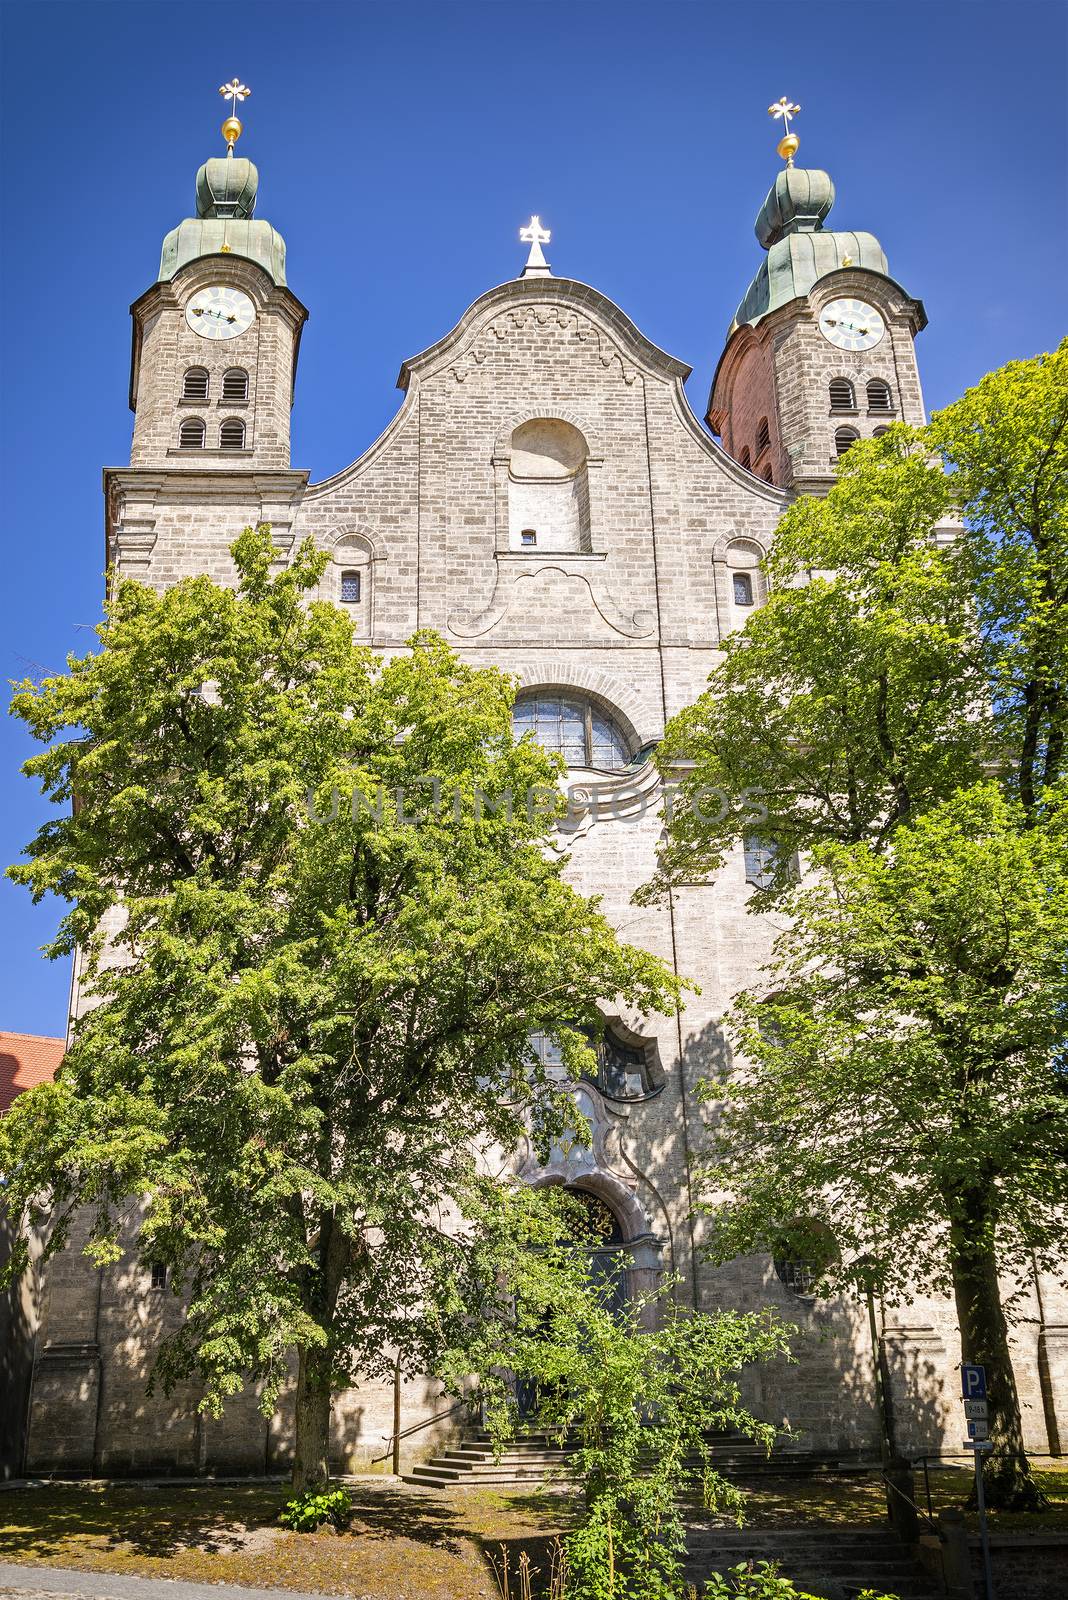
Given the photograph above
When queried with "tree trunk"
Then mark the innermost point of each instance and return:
(311, 1454)
(315, 1374)
(984, 1338)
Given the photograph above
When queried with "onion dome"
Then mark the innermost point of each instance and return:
(800, 249)
(798, 201)
(224, 224)
(226, 187)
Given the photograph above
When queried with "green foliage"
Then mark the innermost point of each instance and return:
(763, 1582)
(909, 1052)
(1006, 442)
(319, 1504)
(637, 1392)
(900, 706)
(298, 1017)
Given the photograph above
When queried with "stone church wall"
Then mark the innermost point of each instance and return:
(633, 622)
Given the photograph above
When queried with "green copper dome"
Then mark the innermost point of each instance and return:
(800, 250)
(226, 187)
(224, 224)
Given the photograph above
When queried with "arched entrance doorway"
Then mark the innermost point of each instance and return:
(599, 1232)
(609, 1257)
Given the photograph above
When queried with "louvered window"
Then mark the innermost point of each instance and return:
(842, 397)
(878, 432)
(843, 438)
(745, 458)
(350, 588)
(766, 475)
(235, 384)
(763, 438)
(879, 395)
(232, 434)
(195, 384)
(191, 434)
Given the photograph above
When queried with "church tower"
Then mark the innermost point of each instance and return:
(820, 352)
(216, 336)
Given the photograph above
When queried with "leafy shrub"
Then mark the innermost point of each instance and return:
(762, 1582)
(308, 1511)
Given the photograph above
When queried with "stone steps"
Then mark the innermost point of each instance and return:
(835, 1563)
(534, 1457)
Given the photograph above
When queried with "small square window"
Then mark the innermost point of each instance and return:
(159, 1275)
(528, 537)
(743, 589)
(350, 588)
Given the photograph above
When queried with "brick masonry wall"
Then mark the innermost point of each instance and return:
(635, 622)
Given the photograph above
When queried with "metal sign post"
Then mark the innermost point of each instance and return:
(977, 1413)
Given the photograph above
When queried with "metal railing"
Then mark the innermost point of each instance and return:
(417, 1427)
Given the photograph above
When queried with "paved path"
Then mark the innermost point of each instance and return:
(60, 1583)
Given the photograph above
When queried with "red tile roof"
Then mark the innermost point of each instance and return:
(26, 1059)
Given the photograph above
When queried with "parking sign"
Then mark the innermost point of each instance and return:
(973, 1381)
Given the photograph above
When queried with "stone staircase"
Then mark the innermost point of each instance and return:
(835, 1563)
(534, 1458)
(526, 1463)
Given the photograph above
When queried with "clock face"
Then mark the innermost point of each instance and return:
(851, 324)
(220, 313)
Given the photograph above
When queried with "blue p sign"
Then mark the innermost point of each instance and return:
(973, 1382)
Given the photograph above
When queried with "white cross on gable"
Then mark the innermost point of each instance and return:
(535, 235)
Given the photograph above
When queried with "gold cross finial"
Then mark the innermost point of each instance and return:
(236, 92)
(787, 146)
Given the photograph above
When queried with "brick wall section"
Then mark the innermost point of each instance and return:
(636, 622)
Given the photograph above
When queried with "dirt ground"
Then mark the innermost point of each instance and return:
(404, 1543)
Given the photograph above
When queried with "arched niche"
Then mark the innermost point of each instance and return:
(548, 487)
(349, 580)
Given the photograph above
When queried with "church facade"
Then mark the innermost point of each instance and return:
(545, 498)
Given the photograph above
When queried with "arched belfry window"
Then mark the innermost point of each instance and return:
(232, 434)
(548, 487)
(744, 459)
(191, 434)
(195, 384)
(235, 385)
(879, 398)
(842, 396)
(763, 435)
(574, 727)
(844, 439)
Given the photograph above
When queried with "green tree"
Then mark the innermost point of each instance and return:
(907, 1086)
(637, 1402)
(315, 940)
(901, 661)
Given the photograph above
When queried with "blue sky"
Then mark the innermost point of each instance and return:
(400, 146)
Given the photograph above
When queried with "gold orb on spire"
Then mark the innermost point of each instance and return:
(788, 145)
(235, 91)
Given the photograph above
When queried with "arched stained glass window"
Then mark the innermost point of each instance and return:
(574, 727)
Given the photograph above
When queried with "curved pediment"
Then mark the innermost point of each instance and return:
(524, 293)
